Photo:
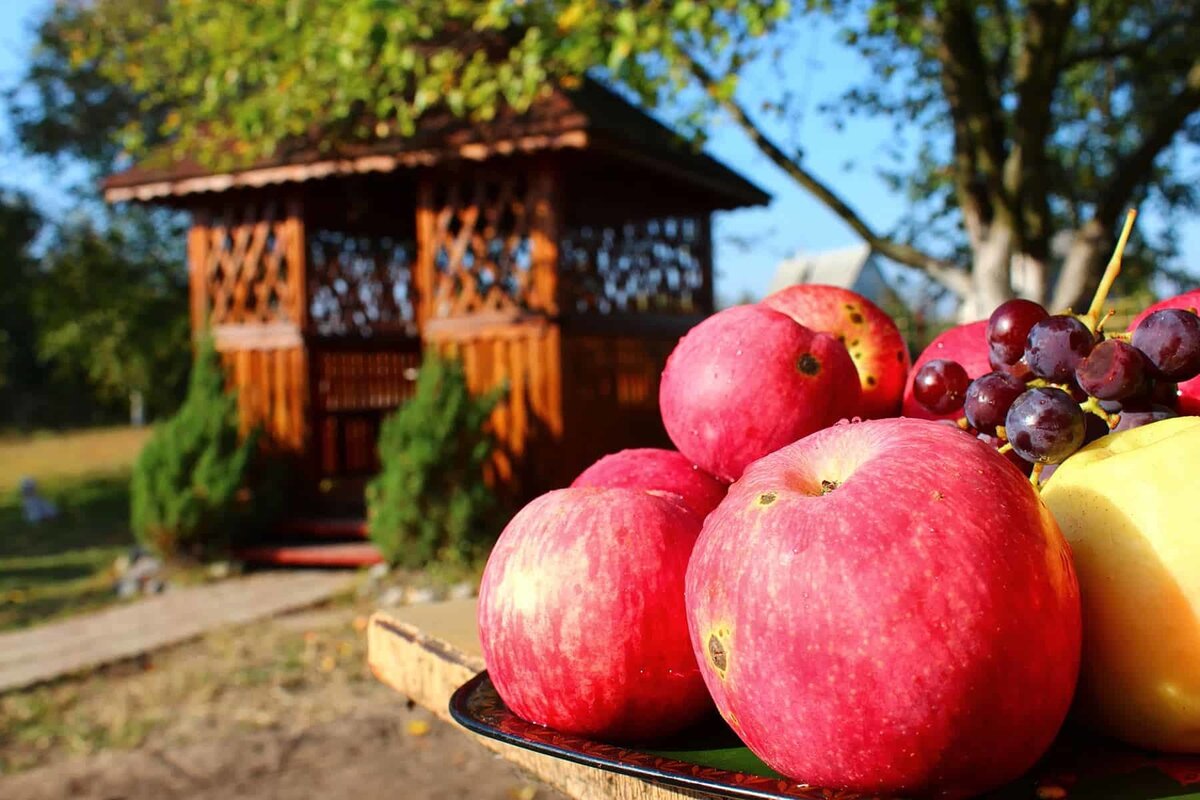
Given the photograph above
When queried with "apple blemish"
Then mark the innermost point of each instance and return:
(808, 364)
(718, 651)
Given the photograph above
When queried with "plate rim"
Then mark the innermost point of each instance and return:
(677, 778)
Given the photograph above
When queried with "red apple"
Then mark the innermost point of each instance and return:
(887, 607)
(1189, 391)
(581, 615)
(966, 344)
(749, 380)
(652, 468)
(871, 336)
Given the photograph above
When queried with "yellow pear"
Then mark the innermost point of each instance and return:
(1127, 504)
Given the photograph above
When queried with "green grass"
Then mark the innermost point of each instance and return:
(64, 566)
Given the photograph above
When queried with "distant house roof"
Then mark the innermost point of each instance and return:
(591, 118)
(832, 267)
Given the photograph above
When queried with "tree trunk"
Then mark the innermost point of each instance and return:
(991, 274)
(1081, 268)
(1029, 277)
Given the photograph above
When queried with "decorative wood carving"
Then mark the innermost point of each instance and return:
(482, 244)
(660, 266)
(245, 267)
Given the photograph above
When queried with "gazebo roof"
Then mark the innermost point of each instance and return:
(591, 118)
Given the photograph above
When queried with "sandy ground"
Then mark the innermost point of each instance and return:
(281, 709)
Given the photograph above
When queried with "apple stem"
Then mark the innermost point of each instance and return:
(1035, 477)
(1092, 320)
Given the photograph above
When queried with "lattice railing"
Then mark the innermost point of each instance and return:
(658, 266)
(482, 245)
(245, 269)
(360, 284)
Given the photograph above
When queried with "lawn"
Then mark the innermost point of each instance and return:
(63, 566)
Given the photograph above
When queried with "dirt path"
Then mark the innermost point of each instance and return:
(280, 709)
(369, 754)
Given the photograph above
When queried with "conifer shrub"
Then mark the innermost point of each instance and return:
(184, 493)
(430, 502)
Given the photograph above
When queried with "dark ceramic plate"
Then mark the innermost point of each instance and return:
(711, 759)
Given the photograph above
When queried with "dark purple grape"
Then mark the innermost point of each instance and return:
(1009, 326)
(1093, 428)
(1165, 393)
(1155, 393)
(1018, 369)
(1055, 347)
(940, 385)
(1113, 370)
(1170, 340)
(1136, 419)
(988, 398)
(1045, 425)
(1111, 406)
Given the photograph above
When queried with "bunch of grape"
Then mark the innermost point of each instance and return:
(1058, 382)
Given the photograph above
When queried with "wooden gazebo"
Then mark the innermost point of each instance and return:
(564, 250)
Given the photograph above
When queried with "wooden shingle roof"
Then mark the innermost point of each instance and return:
(591, 118)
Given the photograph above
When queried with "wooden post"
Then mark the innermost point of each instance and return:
(197, 264)
(544, 232)
(423, 274)
(297, 262)
(704, 252)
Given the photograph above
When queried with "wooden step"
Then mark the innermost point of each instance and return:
(339, 554)
(322, 528)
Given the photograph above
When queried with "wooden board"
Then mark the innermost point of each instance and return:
(426, 652)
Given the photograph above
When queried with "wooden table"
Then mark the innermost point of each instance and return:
(425, 652)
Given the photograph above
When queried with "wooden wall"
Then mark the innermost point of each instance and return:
(576, 320)
(246, 271)
(272, 388)
(528, 422)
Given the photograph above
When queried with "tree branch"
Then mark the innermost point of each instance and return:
(944, 271)
(1132, 171)
(960, 54)
(1108, 51)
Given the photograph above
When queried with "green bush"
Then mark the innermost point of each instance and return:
(429, 501)
(186, 480)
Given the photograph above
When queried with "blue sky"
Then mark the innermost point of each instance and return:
(792, 222)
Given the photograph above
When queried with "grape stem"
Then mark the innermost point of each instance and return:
(1092, 319)
(1035, 477)
(1092, 406)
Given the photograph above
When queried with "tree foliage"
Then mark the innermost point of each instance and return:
(1032, 117)
(101, 305)
(183, 493)
(111, 307)
(429, 501)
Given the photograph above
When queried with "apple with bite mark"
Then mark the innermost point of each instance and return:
(966, 344)
(870, 335)
(749, 380)
(1189, 391)
(581, 615)
(887, 607)
(653, 468)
